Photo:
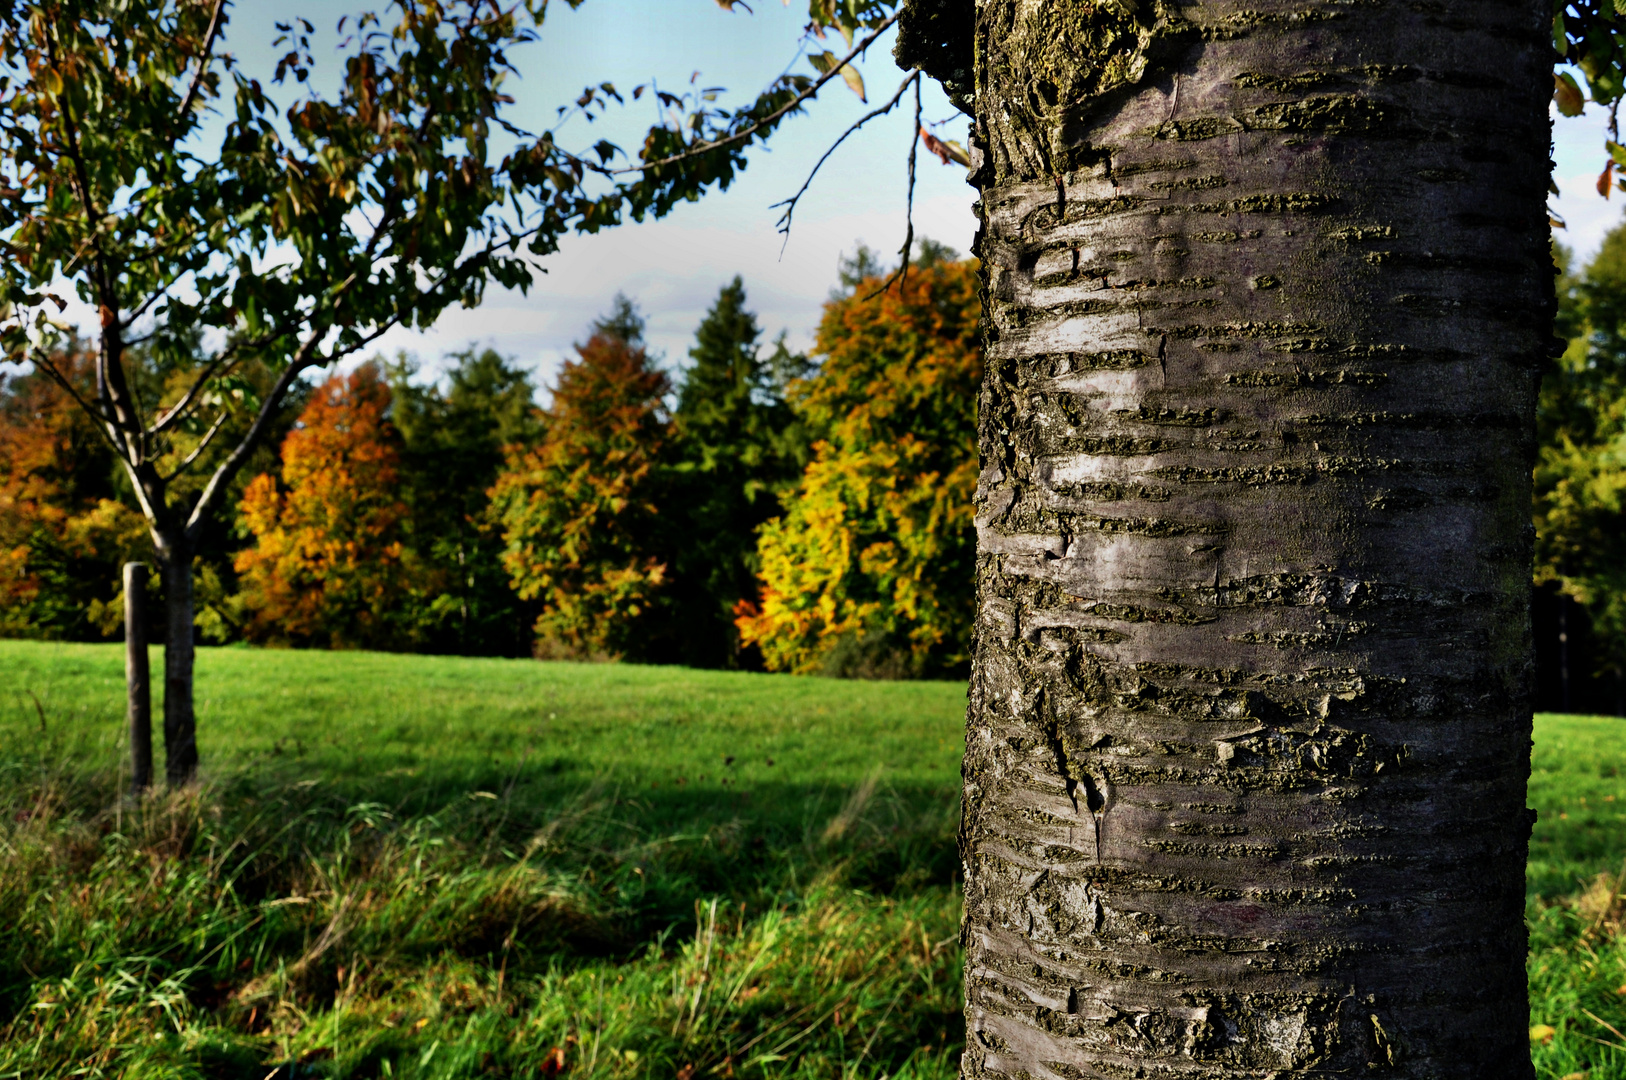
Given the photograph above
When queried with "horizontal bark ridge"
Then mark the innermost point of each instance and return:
(1248, 737)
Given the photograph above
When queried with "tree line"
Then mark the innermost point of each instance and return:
(757, 508)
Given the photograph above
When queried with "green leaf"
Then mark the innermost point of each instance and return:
(1616, 151)
(824, 62)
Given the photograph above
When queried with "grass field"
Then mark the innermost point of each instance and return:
(437, 867)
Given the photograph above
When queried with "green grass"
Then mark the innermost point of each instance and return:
(436, 867)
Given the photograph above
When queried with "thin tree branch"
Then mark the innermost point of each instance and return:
(771, 118)
(203, 61)
(197, 450)
(111, 387)
(902, 272)
(783, 224)
(173, 414)
(61, 380)
(227, 470)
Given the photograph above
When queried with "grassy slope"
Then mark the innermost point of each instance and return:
(500, 858)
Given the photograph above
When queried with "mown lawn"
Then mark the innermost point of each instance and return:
(440, 867)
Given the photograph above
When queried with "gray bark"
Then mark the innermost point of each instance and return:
(180, 725)
(1267, 286)
(137, 676)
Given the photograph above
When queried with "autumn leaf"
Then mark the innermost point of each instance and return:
(855, 82)
(1567, 94)
(1606, 179)
(945, 151)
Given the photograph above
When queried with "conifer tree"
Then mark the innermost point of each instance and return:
(737, 443)
(453, 443)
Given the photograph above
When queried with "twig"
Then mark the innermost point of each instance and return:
(902, 273)
(1605, 1024)
(739, 136)
(789, 204)
(207, 439)
(203, 61)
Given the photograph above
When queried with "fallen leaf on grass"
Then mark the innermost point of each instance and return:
(1542, 1033)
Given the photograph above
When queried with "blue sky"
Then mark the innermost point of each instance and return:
(674, 267)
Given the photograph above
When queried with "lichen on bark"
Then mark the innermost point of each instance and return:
(1050, 64)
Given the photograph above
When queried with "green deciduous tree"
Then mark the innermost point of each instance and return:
(298, 235)
(582, 528)
(736, 444)
(869, 570)
(1580, 509)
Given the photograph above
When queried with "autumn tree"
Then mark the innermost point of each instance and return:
(303, 234)
(736, 444)
(581, 522)
(869, 569)
(329, 566)
(63, 529)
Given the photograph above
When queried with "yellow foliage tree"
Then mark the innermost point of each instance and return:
(870, 570)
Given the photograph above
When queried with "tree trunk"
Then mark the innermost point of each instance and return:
(180, 729)
(137, 675)
(1267, 286)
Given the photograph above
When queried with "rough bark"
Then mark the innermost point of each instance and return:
(137, 676)
(180, 725)
(1267, 286)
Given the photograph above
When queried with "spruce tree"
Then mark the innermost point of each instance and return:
(737, 443)
(454, 441)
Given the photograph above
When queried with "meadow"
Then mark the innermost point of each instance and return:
(438, 867)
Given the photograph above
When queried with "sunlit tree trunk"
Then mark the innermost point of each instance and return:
(1267, 285)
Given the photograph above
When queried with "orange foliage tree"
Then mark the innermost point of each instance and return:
(578, 509)
(870, 570)
(329, 566)
(63, 532)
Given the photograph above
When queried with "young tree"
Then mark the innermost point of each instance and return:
(870, 569)
(579, 511)
(297, 239)
(454, 437)
(329, 566)
(736, 444)
(1267, 289)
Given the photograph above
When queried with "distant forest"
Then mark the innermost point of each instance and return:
(756, 508)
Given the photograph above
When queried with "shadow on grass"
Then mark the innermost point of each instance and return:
(494, 923)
